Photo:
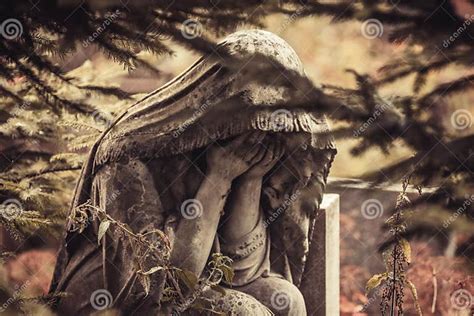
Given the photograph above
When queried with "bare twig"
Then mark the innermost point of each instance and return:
(435, 291)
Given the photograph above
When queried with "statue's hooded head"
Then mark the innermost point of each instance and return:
(252, 81)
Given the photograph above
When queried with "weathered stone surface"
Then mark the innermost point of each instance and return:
(320, 283)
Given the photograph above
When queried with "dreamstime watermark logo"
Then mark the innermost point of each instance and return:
(191, 29)
(462, 299)
(196, 114)
(371, 209)
(191, 209)
(15, 296)
(461, 119)
(112, 197)
(11, 29)
(467, 202)
(102, 118)
(108, 20)
(23, 106)
(377, 293)
(285, 205)
(101, 299)
(290, 19)
(280, 300)
(21, 109)
(469, 19)
(379, 109)
(11, 208)
(280, 120)
(371, 28)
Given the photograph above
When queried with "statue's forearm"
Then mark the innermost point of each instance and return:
(242, 209)
(194, 237)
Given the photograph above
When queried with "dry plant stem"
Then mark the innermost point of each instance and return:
(392, 310)
(175, 284)
(435, 291)
(400, 256)
(137, 237)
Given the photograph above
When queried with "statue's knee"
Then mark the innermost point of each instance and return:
(287, 299)
(238, 303)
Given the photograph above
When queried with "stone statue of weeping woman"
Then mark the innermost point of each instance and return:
(214, 162)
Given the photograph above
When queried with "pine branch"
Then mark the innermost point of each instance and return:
(41, 173)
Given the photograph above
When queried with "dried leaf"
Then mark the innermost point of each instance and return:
(152, 270)
(375, 281)
(104, 225)
(188, 277)
(406, 249)
(218, 289)
(415, 296)
(228, 273)
(146, 283)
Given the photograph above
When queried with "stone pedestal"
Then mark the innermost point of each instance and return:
(320, 283)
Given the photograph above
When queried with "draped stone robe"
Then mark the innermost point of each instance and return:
(144, 194)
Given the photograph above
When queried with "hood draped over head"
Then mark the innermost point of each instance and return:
(222, 95)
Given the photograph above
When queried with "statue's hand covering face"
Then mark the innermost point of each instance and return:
(253, 82)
